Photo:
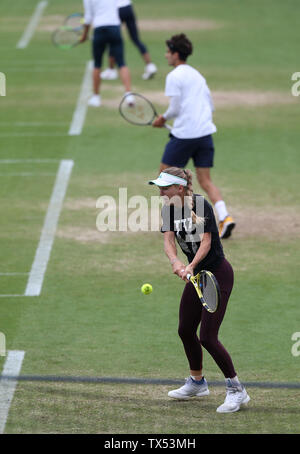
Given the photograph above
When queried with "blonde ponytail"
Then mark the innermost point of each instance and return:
(187, 175)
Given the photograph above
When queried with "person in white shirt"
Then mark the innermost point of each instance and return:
(103, 16)
(127, 16)
(191, 107)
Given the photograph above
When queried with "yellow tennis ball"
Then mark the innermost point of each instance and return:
(146, 289)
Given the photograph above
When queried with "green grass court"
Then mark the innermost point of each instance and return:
(90, 318)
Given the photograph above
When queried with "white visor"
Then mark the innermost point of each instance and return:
(165, 179)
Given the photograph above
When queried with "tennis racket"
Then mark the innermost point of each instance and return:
(138, 110)
(66, 37)
(207, 288)
(75, 21)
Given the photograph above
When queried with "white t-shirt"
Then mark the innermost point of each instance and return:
(122, 3)
(99, 13)
(196, 106)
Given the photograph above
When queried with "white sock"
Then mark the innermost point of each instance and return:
(235, 382)
(221, 210)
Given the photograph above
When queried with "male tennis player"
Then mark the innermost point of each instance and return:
(191, 137)
(190, 219)
(127, 16)
(103, 16)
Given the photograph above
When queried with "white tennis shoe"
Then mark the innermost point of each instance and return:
(190, 389)
(150, 70)
(95, 101)
(109, 74)
(235, 397)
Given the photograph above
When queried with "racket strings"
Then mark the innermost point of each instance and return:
(209, 291)
(75, 21)
(65, 37)
(138, 110)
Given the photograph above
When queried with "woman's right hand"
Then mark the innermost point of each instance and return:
(178, 268)
(159, 122)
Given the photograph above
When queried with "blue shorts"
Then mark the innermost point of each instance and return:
(110, 35)
(179, 151)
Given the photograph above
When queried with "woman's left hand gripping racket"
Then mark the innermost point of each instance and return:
(138, 110)
(207, 288)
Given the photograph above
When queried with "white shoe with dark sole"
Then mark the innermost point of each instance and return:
(190, 389)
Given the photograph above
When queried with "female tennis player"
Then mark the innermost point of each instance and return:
(190, 219)
(127, 16)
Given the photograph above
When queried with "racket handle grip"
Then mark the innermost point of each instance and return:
(168, 127)
(188, 276)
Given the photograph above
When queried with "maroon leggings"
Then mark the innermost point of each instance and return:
(191, 313)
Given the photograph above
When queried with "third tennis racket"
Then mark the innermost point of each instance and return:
(66, 37)
(75, 21)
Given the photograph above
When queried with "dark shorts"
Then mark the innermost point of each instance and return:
(179, 151)
(110, 35)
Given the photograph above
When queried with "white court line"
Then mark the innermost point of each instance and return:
(27, 174)
(81, 107)
(32, 24)
(16, 161)
(29, 123)
(12, 367)
(31, 134)
(42, 255)
(10, 296)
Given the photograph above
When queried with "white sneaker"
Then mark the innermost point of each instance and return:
(150, 70)
(95, 101)
(109, 74)
(235, 397)
(190, 389)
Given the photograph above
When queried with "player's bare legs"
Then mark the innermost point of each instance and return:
(95, 100)
(204, 179)
(146, 57)
(125, 77)
(96, 80)
(197, 374)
